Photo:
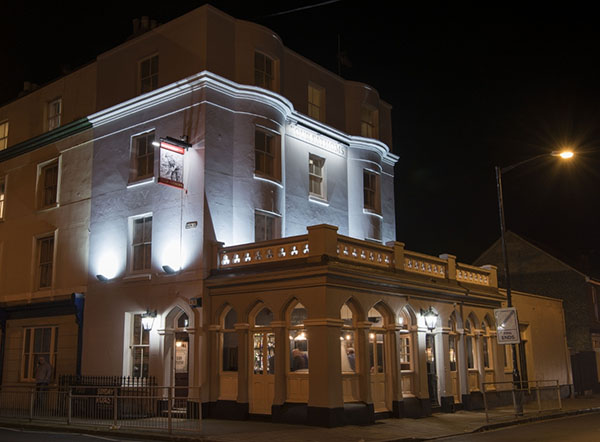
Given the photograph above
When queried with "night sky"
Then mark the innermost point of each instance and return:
(466, 95)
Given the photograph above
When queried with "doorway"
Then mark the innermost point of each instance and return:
(262, 364)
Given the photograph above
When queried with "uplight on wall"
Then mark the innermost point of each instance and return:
(108, 267)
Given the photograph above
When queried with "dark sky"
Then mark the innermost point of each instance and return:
(466, 94)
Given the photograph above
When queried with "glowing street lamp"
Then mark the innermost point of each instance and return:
(148, 320)
(430, 318)
(564, 154)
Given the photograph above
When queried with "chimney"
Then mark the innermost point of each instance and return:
(136, 25)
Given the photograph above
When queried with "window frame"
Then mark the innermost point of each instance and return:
(314, 177)
(262, 78)
(53, 120)
(372, 203)
(45, 189)
(144, 244)
(276, 227)
(133, 346)
(4, 126)
(28, 356)
(152, 76)
(2, 196)
(44, 267)
(225, 334)
(316, 108)
(369, 122)
(149, 157)
(269, 152)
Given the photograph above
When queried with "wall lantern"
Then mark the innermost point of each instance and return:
(430, 318)
(148, 320)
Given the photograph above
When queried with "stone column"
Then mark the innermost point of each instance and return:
(421, 405)
(479, 361)
(279, 327)
(243, 332)
(213, 352)
(325, 394)
(463, 371)
(395, 376)
(442, 349)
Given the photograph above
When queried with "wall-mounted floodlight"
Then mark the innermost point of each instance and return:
(102, 278)
(169, 270)
(148, 320)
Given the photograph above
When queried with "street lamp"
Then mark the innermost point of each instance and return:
(430, 317)
(564, 154)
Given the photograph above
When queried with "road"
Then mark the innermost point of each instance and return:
(23, 435)
(583, 428)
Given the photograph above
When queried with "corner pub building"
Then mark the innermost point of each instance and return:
(266, 267)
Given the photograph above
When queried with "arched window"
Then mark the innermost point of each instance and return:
(229, 342)
(487, 345)
(348, 350)
(469, 344)
(452, 340)
(298, 339)
(405, 342)
(263, 343)
(376, 342)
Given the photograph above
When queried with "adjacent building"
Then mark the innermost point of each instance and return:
(225, 208)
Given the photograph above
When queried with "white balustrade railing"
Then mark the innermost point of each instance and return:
(473, 275)
(256, 254)
(353, 250)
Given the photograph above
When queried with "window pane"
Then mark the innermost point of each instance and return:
(230, 352)
(348, 351)
(258, 353)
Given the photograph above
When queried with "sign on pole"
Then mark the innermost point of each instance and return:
(507, 325)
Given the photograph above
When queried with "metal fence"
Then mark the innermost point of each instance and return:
(507, 400)
(149, 408)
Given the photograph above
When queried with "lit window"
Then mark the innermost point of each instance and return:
(348, 346)
(372, 198)
(264, 71)
(266, 154)
(140, 348)
(469, 344)
(54, 113)
(148, 74)
(266, 226)
(316, 102)
(316, 167)
(45, 258)
(298, 340)
(369, 122)
(142, 157)
(229, 342)
(48, 185)
(487, 346)
(3, 135)
(141, 243)
(38, 342)
(2, 196)
(405, 357)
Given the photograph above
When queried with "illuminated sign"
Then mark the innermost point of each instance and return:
(317, 139)
(171, 164)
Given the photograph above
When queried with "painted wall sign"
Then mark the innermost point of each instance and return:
(507, 326)
(171, 165)
(317, 139)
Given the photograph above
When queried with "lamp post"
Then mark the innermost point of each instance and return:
(565, 154)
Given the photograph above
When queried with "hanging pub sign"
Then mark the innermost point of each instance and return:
(507, 326)
(171, 162)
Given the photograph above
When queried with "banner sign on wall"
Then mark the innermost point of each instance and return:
(507, 325)
(171, 164)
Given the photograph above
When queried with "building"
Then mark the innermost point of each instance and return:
(238, 224)
(534, 270)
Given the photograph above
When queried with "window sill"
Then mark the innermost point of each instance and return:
(372, 212)
(140, 182)
(318, 200)
(268, 179)
(138, 277)
(48, 208)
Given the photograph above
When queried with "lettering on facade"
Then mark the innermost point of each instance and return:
(317, 139)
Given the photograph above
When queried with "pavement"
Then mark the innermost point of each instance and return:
(438, 425)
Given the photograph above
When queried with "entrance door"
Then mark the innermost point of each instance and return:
(378, 371)
(431, 370)
(263, 371)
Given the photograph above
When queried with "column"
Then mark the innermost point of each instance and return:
(442, 349)
(325, 394)
(395, 374)
(242, 330)
(461, 361)
(279, 327)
